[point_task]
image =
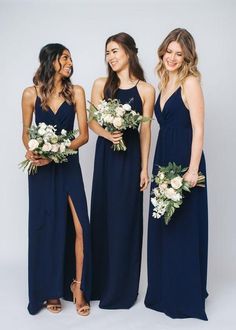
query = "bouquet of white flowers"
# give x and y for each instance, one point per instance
(168, 194)
(114, 116)
(47, 144)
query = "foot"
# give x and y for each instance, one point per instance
(82, 307)
(53, 305)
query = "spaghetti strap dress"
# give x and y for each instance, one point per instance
(177, 252)
(51, 258)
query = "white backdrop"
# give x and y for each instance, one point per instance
(83, 26)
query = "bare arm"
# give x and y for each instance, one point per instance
(96, 97)
(80, 108)
(195, 101)
(145, 133)
(28, 102)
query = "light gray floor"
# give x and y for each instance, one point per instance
(13, 314)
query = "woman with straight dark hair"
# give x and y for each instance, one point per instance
(119, 179)
(59, 234)
(177, 253)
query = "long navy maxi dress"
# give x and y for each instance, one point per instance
(116, 216)
(51, 229)
(177, 252)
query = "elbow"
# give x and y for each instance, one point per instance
(198, 131)
(85, 138)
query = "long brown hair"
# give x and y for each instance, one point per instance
(44, 76)
(189, 65)
(135, 69)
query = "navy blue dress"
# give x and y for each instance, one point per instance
(177, 253)
(116, 216)
(51, 228)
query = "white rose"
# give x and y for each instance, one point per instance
(49, 130)
(108, 118)
(42, 125)
(41, 131)
(33, 144)
(40, 140)
(170, 193)
(177, 197)
(126, 107)
(133, 113)
(156, 192)
(154, 201)
(118, 122)
(162, 187)
(55, 148)
(120, 112)
(63, 132)
(62, 147)
(47, 147)
(176, 182)
(161, 175)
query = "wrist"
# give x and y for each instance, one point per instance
(193, 170)
(107, 135)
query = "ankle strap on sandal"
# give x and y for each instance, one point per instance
(75, 281)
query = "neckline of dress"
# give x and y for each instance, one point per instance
(49, 108)
(167, 99)
(127, 89)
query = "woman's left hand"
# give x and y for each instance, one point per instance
(191, 178)
(144, 180)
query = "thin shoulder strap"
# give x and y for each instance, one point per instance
(137, 82)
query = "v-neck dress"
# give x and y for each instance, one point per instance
(51, 262)
(177, 252)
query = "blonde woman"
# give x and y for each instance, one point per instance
(177, 253)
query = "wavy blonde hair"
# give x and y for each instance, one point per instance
(189, 65)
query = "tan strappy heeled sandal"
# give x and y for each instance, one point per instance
(81, 310)
(53, 308)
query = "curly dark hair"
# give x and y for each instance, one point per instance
(44, 76)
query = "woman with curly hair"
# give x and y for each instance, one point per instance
(177, 253)
(59, 239)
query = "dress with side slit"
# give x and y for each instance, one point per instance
(51, 259)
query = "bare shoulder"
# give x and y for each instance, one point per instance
(78, 91)
(191, 82)
(100, 83)
(146, 88)
(29, 93)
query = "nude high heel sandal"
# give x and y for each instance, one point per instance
(81, 310)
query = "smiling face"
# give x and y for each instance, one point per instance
(116, 56)
(63, 64)
(173, 57)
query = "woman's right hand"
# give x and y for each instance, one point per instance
(36, 159)
(115, 137)
(32, 156)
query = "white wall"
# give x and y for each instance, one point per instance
(83, 27)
